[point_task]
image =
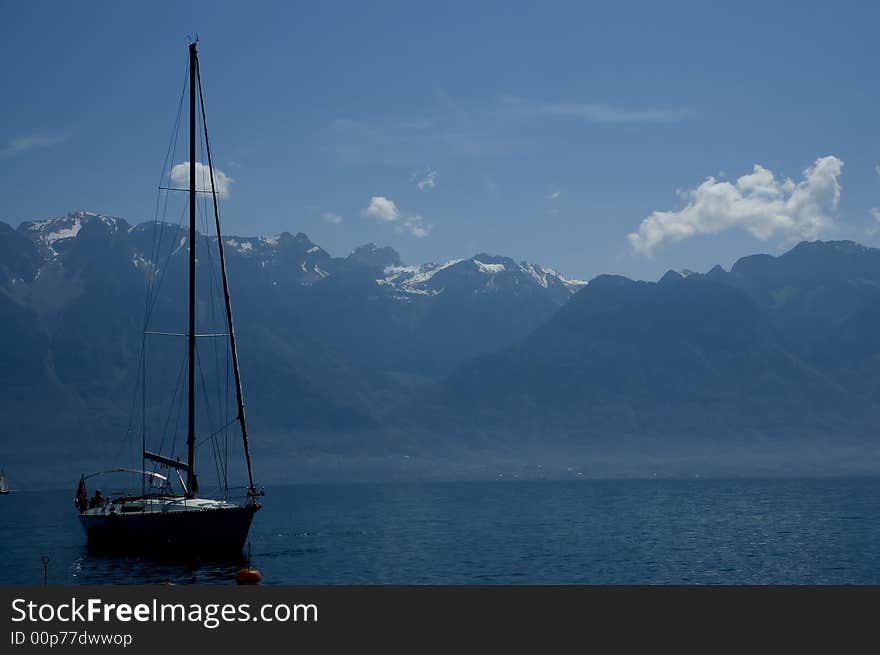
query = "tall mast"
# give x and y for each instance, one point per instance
(238, 391)
(191, 484)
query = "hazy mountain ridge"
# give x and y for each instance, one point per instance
(776, 346)
(326, 343)
(363, 356)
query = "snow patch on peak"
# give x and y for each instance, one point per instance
(53, 230)
(140, 263)
(537, 273)
(409, 279)
(427, 271)
(490, 269)
(271, 240)
(50, 231)
(110, 221)
(244, 247)
(394, 273)
(37, 226)
(543, 275)
(314, 249)
(571, 283)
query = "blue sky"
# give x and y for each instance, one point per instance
(542, 131)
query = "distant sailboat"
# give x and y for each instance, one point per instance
(4, 486)
(160, 518)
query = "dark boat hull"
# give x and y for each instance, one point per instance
(221, 531)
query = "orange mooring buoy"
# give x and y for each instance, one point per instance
(248, 576)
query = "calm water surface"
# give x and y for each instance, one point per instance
(592, 532)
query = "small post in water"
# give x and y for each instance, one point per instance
(45, 560)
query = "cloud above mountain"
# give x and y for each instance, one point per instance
(385, 210)
(180, 178)
(757, 202)
(382, 209)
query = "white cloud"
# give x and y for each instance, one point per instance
(382, 209)
(330, 217)
(592, 112)
(552, 196)
(180, 178)
(415, 225)
(29, 142)
(426, 180)
(385, 211)
(875, 211)
(756, 202)
(874, 228)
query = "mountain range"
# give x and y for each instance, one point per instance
(365, 366)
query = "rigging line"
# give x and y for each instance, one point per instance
(222, 406)
(161, 270)
(154, 256)
(184, 334)
(177, 387)
(216, 432)
(210, 416)
(157, 276)
(176, 419)
(172, 143)
(176, 129)
(227, 405)
(228, 302)
(171, 151)
(156, 252)
(130, 428)
(140, 377)
(161, 276)
(143, 406)
(208, 412)
(169, 188)
(216, 462)
(211, 278)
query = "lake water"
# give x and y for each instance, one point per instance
(590, 532)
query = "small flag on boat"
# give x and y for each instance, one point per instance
(82, 497)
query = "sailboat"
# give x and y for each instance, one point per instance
(4, 486)
(161, 517)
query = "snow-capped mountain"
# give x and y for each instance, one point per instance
(285, 258)
(325, 333)
(57, 231)
(483, 273)
(341, 345)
